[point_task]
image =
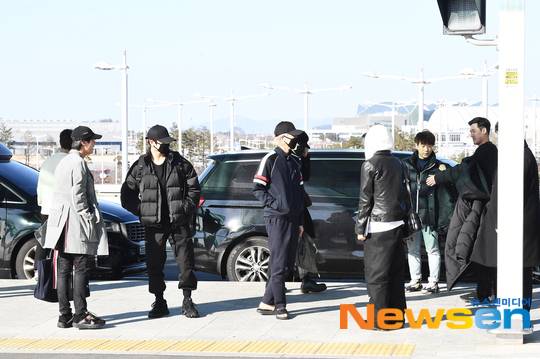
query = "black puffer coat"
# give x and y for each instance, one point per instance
(435, 204)
(141, 192)
(465, 221)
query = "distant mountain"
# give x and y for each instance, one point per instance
(249, 125)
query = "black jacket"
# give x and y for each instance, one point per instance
(486, 156)
(141, 192)
(383, 195)
(435, 204)
(465, 222)
(279, 186)
(485, 249)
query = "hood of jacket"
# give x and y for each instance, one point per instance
(378, 138)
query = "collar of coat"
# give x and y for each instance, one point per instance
(148, 157)
(432, 159)
(286, 156)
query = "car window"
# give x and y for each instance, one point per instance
(232, 177)
(9, 196)
(20, 175)
(334, 178)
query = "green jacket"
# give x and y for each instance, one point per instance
(435, 205)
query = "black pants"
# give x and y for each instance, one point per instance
(487, 284)
(384, 262)
(156, 256)
(78, 265)
(283, 242)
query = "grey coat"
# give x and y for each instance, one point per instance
(75, 208)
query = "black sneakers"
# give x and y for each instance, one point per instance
(87, 321)
(312, 286)
(188, 309)
(65, 321)
(159, 309)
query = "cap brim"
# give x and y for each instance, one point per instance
(166, 140)
(295, 132)
(96, 136)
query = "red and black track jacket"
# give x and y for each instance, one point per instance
(278, 184)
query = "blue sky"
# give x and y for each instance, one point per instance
(178, 48)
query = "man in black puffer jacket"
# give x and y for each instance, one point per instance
(163, 190)
(435, 205)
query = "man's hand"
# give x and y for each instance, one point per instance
(431, 181)
(301, 231)
(361, 237)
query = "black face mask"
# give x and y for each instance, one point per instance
(293, 142)
(163, 148)
(298, 150)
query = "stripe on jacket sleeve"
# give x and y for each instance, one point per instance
(261, 178)
(262, 165)
(256, 180)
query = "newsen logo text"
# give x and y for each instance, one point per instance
(458, 318)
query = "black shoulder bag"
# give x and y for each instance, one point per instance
(413, 223)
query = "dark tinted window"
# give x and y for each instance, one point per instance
(232, 178)
(334, 178)
(9, 196)
(22, 176)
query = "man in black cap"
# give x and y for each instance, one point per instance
(278, 185)
(163, 190)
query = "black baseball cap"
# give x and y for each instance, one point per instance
(303, 139)
(286, 127)
(159, 133)
(84, 133)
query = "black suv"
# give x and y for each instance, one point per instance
(20, 217)
(231, 235)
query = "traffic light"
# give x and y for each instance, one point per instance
(463, 17)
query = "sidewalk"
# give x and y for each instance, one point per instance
(230, 326)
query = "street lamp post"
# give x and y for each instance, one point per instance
(305, 92)
(231, 100)
(212, 105)
(179, 104)
(535, 100)
(102, 65)
(485, 74)
(421, 82)
(144, 107)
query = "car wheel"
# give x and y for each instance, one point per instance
(24, 264)
(249, 261)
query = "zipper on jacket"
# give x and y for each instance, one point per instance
(419, 185)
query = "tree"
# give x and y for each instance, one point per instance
(354, 142)
(48, 146)
(29, 143)
(190, 139)
(140, 142)
(6, 135)
(403, 141)
(174, 134)
(458, 157)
